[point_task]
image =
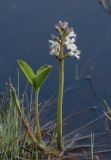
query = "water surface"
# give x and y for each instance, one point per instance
(26, 26)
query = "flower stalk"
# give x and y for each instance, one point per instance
(37, 123)
(60, 102)
(60, 97)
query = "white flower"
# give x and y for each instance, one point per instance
(70, 44)
(72, 34)
(76, 54)
(66, 38)
(54, 48)
(61, 26)
(70, 40)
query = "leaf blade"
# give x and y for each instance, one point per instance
(27, 70)
(41, 76)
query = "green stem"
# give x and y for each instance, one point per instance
(38, 130)
(60, 101)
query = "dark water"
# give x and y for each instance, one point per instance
(25, 27)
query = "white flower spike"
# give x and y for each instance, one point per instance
(68, 38)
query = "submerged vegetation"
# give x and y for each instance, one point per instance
(21, 134)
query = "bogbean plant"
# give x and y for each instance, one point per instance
(62, 46)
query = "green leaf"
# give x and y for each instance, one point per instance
(41, 76)
(27, 71)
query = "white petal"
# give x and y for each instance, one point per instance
(72, 47)
(72, 34)
(51, 41)
(70, 53)
(76, 54)
(72, 40)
